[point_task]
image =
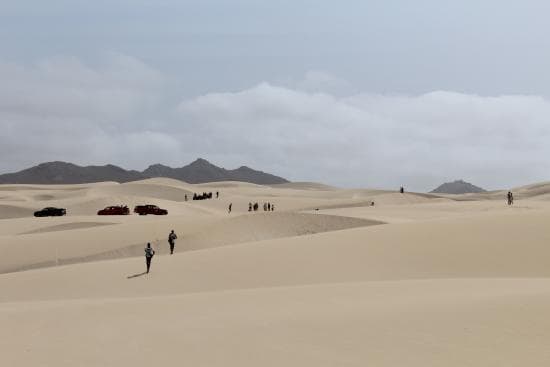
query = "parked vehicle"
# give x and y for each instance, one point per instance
(114, 210)
(149, 209)
(50, 212)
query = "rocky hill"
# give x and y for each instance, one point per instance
(458, 187)
(199, 171)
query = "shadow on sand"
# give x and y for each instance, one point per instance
(136, 275)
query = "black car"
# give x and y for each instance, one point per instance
(50, 212)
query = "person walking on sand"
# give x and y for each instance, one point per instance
(149, 253)
(172, 241)
(230, 205)
(510, 198)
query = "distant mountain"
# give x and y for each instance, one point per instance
(458, 187)
(199, 171)
(68, 173)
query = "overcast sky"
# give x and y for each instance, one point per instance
(353, 93)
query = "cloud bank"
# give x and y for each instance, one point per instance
(124, 112)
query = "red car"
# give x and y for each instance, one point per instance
(114, 210)
(149, 209)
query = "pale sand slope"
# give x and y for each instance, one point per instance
(444, 283)
(406, 323)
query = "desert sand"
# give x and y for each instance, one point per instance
(324, 280)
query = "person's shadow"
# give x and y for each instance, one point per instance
(136, 275)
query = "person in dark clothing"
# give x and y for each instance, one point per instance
(510, 198)
(185, 197)
(172, 241)
(249, 207)
(217, 194)
(268, 207)
(402, 190)
(149, 253)
(256, 207)
(230, 205)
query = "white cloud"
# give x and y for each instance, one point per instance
(379, 140)
(119, 112)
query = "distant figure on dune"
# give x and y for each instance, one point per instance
(217, 194)
(510, 198)
(185, 197)
(249, 207)
(172, 241)
(402, 190)
(230, 205)
(265, 207)
(149, 253)
(272, 207)
(256, 207)
(268, 207)
(372, 203)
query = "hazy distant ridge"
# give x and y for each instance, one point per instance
(199, 171)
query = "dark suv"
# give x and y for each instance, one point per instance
(50, 212)
(149, 209)
(114, 210)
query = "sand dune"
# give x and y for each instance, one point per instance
(11, 211)
(304, 186)
(68, 227)
(442, 322)
(54, 244)
(440, 281)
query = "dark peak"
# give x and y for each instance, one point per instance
(200, 162)
(458, 187)
(56, 164)
(157, 166)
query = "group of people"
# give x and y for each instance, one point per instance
(268, 207)
(150, 252)
(203, 196)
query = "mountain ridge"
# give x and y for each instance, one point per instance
(198, 171)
